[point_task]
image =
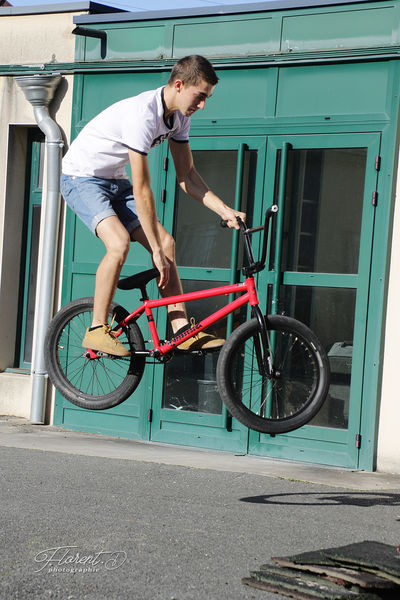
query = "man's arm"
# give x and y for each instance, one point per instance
(194, 185)
(146, 210)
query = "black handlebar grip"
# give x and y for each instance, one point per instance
(224, 222)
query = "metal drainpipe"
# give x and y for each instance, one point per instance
(39, 91)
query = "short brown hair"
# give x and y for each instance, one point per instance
(192, 69)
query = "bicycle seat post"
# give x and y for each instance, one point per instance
(143, 291)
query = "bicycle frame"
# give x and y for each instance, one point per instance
(249, 295)
(247, 289)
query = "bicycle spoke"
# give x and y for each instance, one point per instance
(93, 376)
(285, 393)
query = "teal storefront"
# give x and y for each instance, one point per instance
(306, 113)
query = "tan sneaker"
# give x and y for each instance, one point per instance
(103, 339)
(200, 341)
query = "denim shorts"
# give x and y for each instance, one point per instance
(93, 199)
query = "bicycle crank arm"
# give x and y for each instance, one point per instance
(95, 354)
(195, 352)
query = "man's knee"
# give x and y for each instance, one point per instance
(168, 243)
(118, 247)
(115, 238)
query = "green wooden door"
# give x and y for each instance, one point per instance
(320, 273)
(84, 251)
(187, 408)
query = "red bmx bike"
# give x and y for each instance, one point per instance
(272, 372)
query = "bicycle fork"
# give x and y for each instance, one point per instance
(263, 348)
(263, 354)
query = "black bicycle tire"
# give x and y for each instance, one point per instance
(225, 375)
(134, 367)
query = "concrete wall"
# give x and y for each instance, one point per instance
(388, 458)
(39, 38)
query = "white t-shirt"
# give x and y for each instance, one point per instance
(138, 123)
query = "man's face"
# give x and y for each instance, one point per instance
(193, 97)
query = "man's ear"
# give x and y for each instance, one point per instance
(178, 85)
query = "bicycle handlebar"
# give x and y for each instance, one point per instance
(255, 266)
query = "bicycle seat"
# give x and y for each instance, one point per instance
(139, 280)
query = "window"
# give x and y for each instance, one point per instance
(30, 248)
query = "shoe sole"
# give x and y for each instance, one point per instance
(105, 351)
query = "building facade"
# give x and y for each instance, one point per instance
(306, 112)
(27, 49)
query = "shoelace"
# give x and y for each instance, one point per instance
(110, 332)
(192, 324)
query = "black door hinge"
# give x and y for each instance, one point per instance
(163, 196)
(165, 164)
(150, 415)
(374, 198)
(358, 440)
(378, 163)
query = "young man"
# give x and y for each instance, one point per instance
(96, 187)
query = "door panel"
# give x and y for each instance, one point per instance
(320, 273)
(186, 394)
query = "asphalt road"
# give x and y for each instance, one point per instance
(86, 527)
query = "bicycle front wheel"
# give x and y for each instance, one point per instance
(93, 383)
(279, 396)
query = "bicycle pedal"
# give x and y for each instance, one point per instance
(105, 355)
(94, 354)
(194, 352)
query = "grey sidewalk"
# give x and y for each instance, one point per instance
(19, 433)
(163, 522)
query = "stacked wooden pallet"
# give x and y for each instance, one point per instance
(365, 571)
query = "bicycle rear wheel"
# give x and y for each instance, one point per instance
(297, 387)
(93, 383)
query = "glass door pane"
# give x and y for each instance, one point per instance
(323, 209)
(331, 313)
(200, 239)
(30, 250)
(189, 381)
(31, 281)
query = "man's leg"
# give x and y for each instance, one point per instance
(117, 241)
(176, 312)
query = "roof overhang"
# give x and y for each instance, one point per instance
(209, 11)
